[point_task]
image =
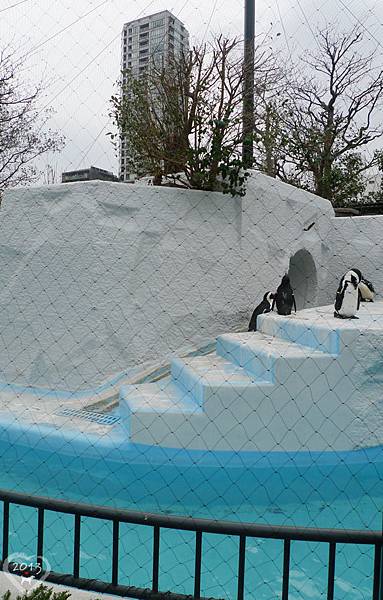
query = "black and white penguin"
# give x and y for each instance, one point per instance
(367, 292)
(284, 298)
(348, 295)
(262, 308)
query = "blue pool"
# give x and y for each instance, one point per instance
(307, 489)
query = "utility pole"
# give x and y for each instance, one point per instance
(248, 84)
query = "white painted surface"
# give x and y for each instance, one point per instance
(99, 277)
(357, 242)
(305, 382)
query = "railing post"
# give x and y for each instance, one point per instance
(115, 552)
(331, 571)
(5, 529)
(377, 589)
(241, 567)
(286, 569)
(381, 575)
(76, 546)
(198, 562)
(40, 537)
(156, 557)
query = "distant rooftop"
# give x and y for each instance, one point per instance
(157, 14)
(88, 175)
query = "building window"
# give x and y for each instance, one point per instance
(159, 23)
(145, 26)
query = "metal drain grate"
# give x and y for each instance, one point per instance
(90, 416)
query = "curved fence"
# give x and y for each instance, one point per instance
(157, 522)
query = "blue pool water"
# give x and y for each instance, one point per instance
(307, 489)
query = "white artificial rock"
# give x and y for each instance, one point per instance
(268, 393)
(99, 277)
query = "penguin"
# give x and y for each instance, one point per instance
(284, 299)
(348, 295)
(262, 308)
(367, 292)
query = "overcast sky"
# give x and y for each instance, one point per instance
(74, 45)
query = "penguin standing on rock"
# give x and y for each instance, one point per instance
(284, 299)
(262, 308)
(348, 295)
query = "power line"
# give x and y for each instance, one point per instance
(210, 19)
(308, 23)
(91, 62)
(13, 5)
(361, 23)
(67, 27)
(284, 29)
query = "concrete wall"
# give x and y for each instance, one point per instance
(357, 242)
(98, 277)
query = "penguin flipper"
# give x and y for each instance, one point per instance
(338, 300)
(253, 321)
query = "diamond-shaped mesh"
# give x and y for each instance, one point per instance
(128, 376)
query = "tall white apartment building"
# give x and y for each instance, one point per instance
(153, 39)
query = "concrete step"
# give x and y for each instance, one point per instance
(160, 397)
(199, 376)
(160, 413)
(321, 334)
(272, 359)
(301, 383)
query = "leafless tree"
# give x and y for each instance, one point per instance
(270, 130)
(333, 111)
(23, 135)
(50, 174)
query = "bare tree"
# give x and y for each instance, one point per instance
(187, 118)
(271, 135)
(22, 125)
(50, 174)
(333, 112)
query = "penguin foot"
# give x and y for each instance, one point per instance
(338, 316)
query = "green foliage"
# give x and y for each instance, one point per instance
(41, 592)
(347, 179)
(184, 122)
(377, 196)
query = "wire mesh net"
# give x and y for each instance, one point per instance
(132, 373)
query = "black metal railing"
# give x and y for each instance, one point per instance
(286, 534)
